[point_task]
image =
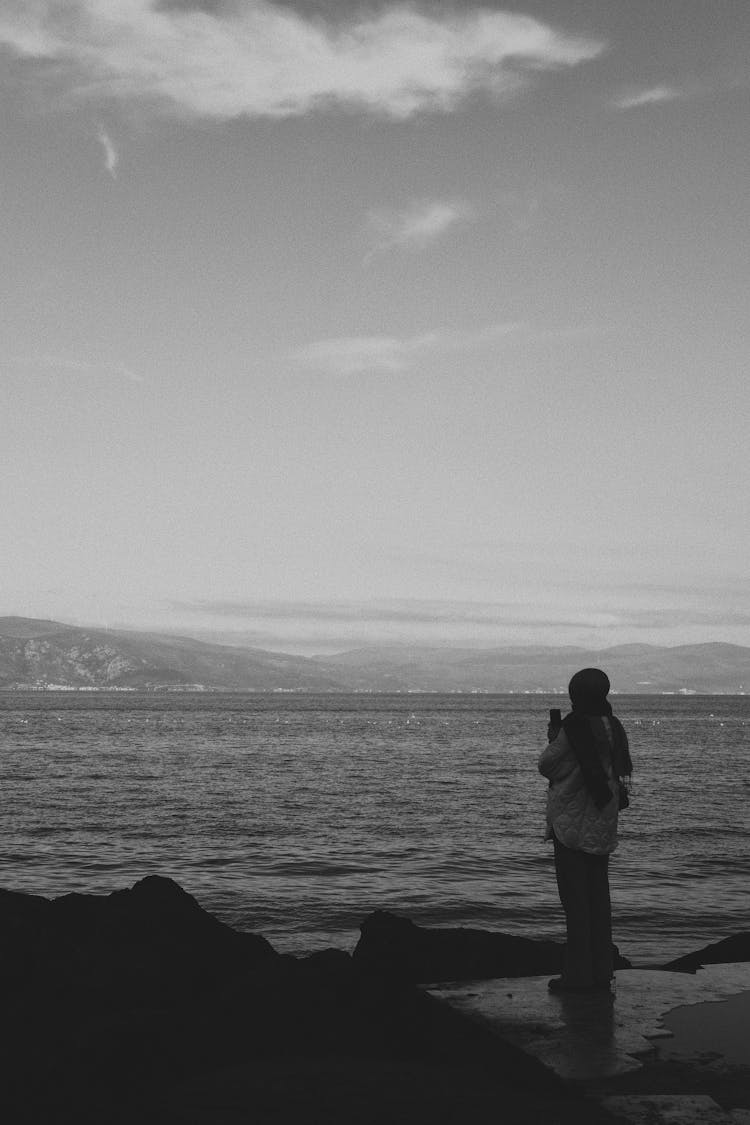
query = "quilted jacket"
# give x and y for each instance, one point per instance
(571, 813)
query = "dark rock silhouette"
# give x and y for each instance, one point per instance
(153, 940)
(402, 949)
(729, 950)
(110, 1001)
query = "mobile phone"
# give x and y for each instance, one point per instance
(555, 716)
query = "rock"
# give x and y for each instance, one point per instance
(728, 951)
(148, 943)
(399, 947)
(332, 964)
(134, 991)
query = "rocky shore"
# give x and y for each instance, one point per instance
(141, 1006)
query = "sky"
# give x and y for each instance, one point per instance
(325, 324)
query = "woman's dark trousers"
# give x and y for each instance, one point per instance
(583, 883)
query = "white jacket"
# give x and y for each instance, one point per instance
(571, 812)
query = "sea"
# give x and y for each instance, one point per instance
(296, 815)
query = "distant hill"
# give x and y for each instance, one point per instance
(39, 654)
(28, 627)
(640, 669)
(47, 653)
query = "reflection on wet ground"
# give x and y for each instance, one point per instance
(585, 1037)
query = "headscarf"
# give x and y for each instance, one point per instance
(585, 731)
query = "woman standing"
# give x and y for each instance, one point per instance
(586, 762)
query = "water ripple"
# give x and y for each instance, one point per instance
(297, 815)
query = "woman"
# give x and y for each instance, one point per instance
(586, 762)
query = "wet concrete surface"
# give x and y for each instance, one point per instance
(585, 1037)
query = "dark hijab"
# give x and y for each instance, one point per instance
(588, 696)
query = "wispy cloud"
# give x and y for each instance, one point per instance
(409, 611)
(336, 626)
(111, 155)
(266, 59)
(416, 226)
(355, 355)
(45, 361)
(652, 95)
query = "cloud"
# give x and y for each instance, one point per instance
(46, 362)
(651, 96)
(337, 626)
(557, 618)
(355, 355)
(111, 155)
(418, 225)
(264, 59)
(409, 611)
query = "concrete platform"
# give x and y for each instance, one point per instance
(586, 1038)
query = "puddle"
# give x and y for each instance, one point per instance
(715, 1028)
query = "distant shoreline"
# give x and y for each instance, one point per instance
(31, 689)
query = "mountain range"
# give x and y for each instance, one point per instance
(39, 654)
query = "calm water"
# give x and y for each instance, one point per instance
(295, 815)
